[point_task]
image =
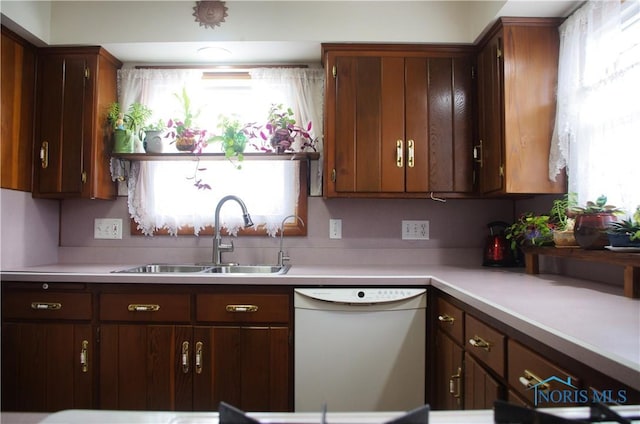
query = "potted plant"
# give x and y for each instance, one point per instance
(127, 125)
(182, 131)
(530, 230)
(281, 131)
(625, 233)
(233, 138)
(563, 219)
(153, 137)
(592, 222)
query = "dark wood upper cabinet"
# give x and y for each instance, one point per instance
(72, 146)
(398, 120)
(517, 79)
(18, 110)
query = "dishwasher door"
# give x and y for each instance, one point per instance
(360, 349)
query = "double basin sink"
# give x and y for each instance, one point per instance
(206, 269)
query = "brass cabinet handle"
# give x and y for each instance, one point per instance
(477, 341)
(199, 358)
(530, 380)
(242, 308)
(44, 154)
(399, 154)
(84, 356)
(49, 306)
(454, 383)
(185, 357)
(411, 161)
(446, 318)
(138, 307)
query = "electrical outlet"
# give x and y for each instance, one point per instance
(107, 228)
(335, 228)
(415, 230)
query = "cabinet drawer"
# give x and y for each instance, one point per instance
(46, 305)
(529, 374)
(485, 343)
(145, 307)
(450, 320)
(255, 308)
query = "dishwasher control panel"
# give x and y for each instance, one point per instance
(361, 295)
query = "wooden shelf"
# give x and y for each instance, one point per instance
(630, 262)
(215, 156)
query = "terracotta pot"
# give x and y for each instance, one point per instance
(591, 229)
(186, 144)
(564, 239)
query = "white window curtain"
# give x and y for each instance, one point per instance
(302, 90)
(597, 129)
(161, 194)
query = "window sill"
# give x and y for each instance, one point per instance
(216, 156)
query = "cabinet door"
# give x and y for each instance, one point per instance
(146, 367)
(47, 367)
(368, 123)
(489, 152)
(245, 366)
(439, 121)
(61, 118)
(449, 376)
(480, 388)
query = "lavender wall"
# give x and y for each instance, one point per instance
(29, 230)
(370, 234)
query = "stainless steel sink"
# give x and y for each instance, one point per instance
(167, 268)
(249, 269)
(206, 268)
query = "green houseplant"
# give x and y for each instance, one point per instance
(592, 222)
(563, 219)
(530, 230)
(182, 130)
(127, 125)
(233, 138)
(625, 233)
(281, 131)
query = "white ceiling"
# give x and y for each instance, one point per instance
(165, 32)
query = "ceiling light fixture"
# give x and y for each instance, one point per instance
(213, 52)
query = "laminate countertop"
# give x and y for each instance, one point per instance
(591, 322)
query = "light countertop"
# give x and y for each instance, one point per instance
(591, 322)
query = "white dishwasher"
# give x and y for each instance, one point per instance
(359, 349)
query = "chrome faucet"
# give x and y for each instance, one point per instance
(218, 246)
(282, 257)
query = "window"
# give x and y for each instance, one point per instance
(162, 195)
(598, 116)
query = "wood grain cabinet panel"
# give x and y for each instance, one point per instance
(75, 86)
(517, 79)
(18, 110)
(145, 307)
(48, 348)
(245, 307)
(486, 344)
(398, 120)
(450, 320)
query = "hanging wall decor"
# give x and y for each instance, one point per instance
(210, 13)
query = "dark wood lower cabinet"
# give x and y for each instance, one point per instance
(448, 373)
(245, 366)
(480, 388)
(46, 366)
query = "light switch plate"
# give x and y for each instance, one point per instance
(107, 228)
(415, 230)
(335, 228)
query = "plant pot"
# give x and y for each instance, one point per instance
(622, 240)
(564, 239)
(591, 229)
(186, 144)
(153, 142)
(123, 141)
